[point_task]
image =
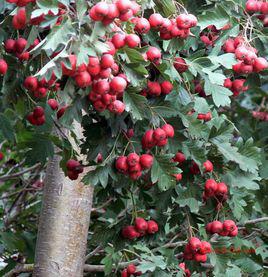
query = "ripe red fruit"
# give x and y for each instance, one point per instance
(3, 67)
(69, 71)
(241, 52)
(252, 6)
(31, 83)
(264, 8)
(107, 61)
(228, 83)
(134, 175)
(123, 5)
(20, 45)
(178, 176)
(180, 64)
(205, 247)
(154, 88)
(146, 161)
(166, 87)
(130, 133)
(135, 168)
(159, 134)
(260, 64)
(229, 46)
(233, 233)
(141, 225)
(133, 159)
(202, 258)
(142, 26)
(156, 20)
(94, 15)
(53, 104)
(10, 45)
(124, 273)
(129, 232)
(216, 227)
(61, 112)
(210, 187)
(118, 40)
(40, 120)
(113, 11)
(245, 68)
(148, 139)
(132, 40)
(121, 164)
(208, 227)
(118, 84)
(194, 244)
(117, 107)
(38, 111)
(238, 84)
(179, 157)
(208, 166)
(222, 188)
(19, 20)
(186, 21)
(152, 227)
(131, 269)
(101, 9)
(72, 164)
(101, 87)
(1, 156)
(153, 54)
(83, 79)
(229, 225)
(169, 130)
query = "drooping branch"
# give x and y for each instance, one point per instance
(257, 220)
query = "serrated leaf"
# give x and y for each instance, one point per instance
(227, 60)
(162, 171)
(135, 104)
(192, 203)
(201, 105)
(6, 128)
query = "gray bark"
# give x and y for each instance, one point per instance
(63, 225)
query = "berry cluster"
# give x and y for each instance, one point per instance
(122, 39)
(39, 88)
(247, 55)
(157, 137)
(3, 67)
(225, 228)
(236, 86)
(107, 13)
(255, 6)
(263, 116)
(131, 270)
(204, 116)
(214, 189)
(207, 167)
(209, 35)
(74, 168)
(37, 117)
(187, 271)
(140, 228)
(133, 164)
(196, 250)
(18, 46)
(156, 89)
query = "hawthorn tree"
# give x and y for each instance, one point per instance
(141, 127)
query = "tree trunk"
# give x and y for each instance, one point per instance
(63, 226)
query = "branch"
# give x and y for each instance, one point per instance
(21, 268)
(257, 220)
(15, 175)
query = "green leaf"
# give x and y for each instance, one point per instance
(227, 60)
(192, 203)
(135, 104)
(162, 171)
(81, 8)
(218, 17)
(220, 94)
(6, 128)
(201, 105)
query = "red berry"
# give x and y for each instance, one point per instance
(205, 247)
(53, 104)
(208, 227)
(186, 21)
(73, 175)
(133, 159)
(10, 45)
(146, 161)
(159, 134)
(31, 83)
(107, 61)
(141, 225)
(202, 258)
(69, 71)
(180, 64)
(131, 269)
(113, 11)
(142, 26)
(229, 46)
(148, 139)
(211, 187)
(61, 112)
(118, 40)
(118, 84)
(123, 5)
(216, 227)
(72, 164)
(152, 227)
(117, 107)
(194, 243)
(156, 20)
(208, 166)
(124, 273)
(234, 233)
(179, 157)
(154, 88)
(121, 164)
(38, 111)
(132, 40)
(101, 9)
(3, 67)
(129, 232)
(260, 64)
(83, 79)
(229, 225)
(20, 45)
(166, 87)
(153, 54)
(169, 130)
(222, 188)
(135, 175)
(178, 177)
